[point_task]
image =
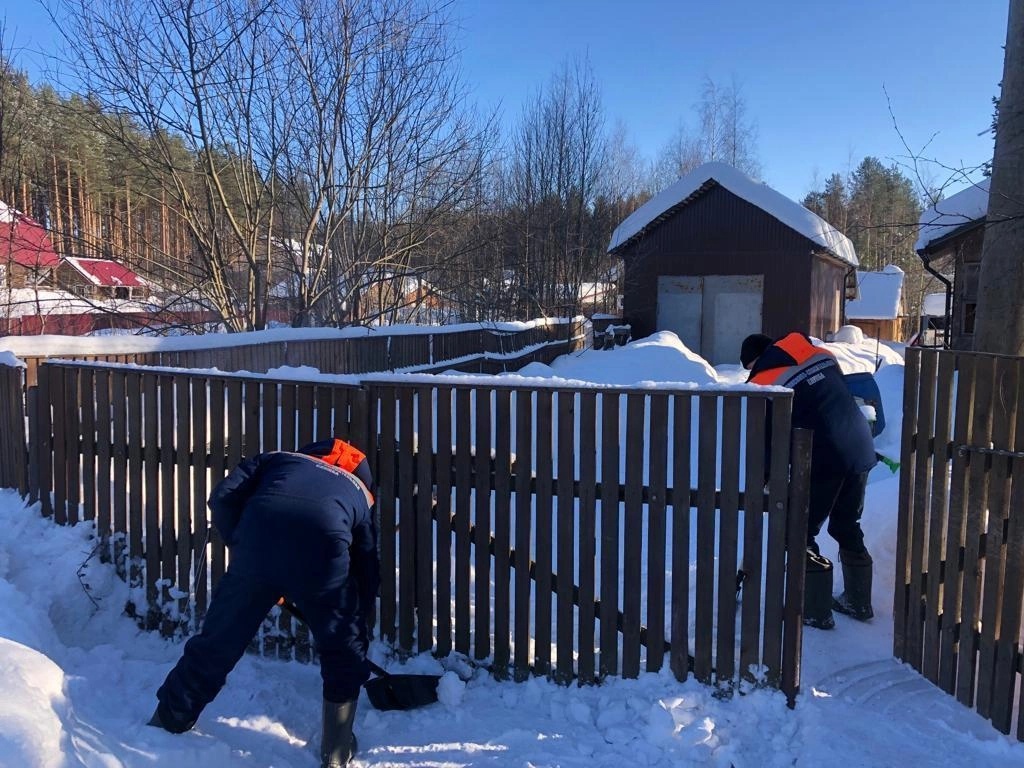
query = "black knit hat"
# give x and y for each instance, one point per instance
(753, 347)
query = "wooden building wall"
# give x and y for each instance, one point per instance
(720, 233)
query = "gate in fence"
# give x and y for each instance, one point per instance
(575, 533)
(960, 547)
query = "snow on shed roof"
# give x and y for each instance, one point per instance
(879, 295)
(774, 203)
(105, 272)
(946, 216)
(24, 241)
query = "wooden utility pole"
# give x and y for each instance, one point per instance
(1000, 320)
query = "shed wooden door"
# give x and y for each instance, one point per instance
(732, 311)
(711, 314)
(680, 299)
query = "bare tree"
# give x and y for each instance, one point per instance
(1000, 322)
(725, 133)
(311, 146)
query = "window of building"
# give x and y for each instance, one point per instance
(970, 309)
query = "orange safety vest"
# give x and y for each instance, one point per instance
(803, 352)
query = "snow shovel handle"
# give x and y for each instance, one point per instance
(289, 606)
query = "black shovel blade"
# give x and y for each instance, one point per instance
(402, 691)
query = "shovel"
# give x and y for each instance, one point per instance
(389, 691)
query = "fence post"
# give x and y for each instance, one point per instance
(796, 562)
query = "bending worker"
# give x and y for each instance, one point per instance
(299, 526)
(842, 455)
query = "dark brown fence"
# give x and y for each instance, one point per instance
(523, 526)
(482, 350)
(960, 551)
(552, 531)
(13, 454)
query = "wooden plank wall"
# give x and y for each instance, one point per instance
(138, 452)
(518, 526)
(551, 512)
(959, 591)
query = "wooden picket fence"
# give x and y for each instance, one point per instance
(519, 526)
(960, 548)
(13, 452)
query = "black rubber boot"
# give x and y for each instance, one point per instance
(855, 601)
(338, 743)
(171, 722)
(818, 592)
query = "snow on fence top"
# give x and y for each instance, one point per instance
(946, 216)
(774, 203)
(51, 346)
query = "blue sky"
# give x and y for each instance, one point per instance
(814, 73)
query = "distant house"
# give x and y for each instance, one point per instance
(950, 238)
(27, 257)
(99, 279)
(878, 309)
(717, 256)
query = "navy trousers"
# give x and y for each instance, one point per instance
(839, 498)
(236, 612)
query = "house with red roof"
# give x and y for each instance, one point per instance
(99, 279)
(27, 257)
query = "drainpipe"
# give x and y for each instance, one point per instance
(949, 300)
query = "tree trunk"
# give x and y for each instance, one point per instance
(1000, 321)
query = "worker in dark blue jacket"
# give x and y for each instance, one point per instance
(299, 527)
(842, 455)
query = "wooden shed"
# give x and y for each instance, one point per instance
(878, 309)
(950, 238)
(717, 256)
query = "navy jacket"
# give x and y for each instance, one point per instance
(302, 525)
(821, 402)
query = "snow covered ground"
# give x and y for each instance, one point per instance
(78, 679)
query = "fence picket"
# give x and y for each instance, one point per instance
(218, 460)
(728, 535)
(136, 483)
(183, 489)
(58, 389)
(922, 488)
(682, 407)
(104, 425)
(977, 500)
(707, 455)
(443, 539)
(566, 536)
(753, 535)
(775, 552)
(543, 534)
(200, 482)
(502, 530)
(407, 592)
(956, 518)
(88, 405)
(72, 432)
(656, 530)
(587, 533)
(460, 522)
(608, 660)
(938, 515)
(632, 536)
(424, 509)
(524, 533)
(482, 524)
(385, 401)
(905, 515)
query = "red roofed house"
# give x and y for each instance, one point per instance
(99, 279)
(27, 257)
